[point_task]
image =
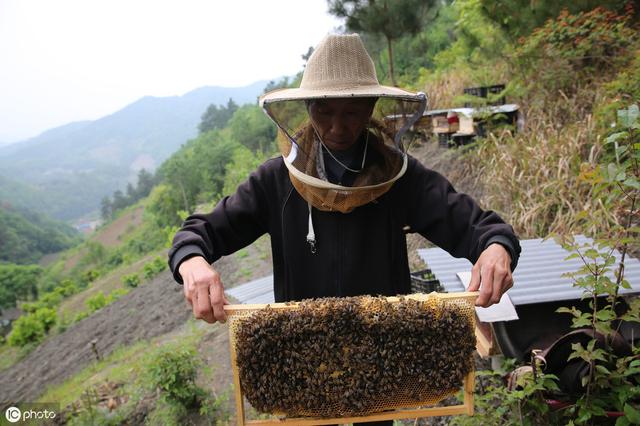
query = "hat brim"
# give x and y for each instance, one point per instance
(372, 91)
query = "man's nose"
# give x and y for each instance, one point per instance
(338, 126)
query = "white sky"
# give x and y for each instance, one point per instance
(70, 60)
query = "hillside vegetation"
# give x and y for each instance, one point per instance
(573, 167)
(26, 236)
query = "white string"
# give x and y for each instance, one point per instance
(364, 156)
(311, 235)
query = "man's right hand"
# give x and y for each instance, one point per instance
(203, 289)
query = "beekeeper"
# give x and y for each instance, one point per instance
(340, 199)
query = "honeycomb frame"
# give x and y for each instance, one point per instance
(420, 409)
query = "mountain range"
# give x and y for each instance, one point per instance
(66, 171)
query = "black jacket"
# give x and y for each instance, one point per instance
(362, 252)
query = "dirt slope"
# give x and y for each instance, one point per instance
(150, 310)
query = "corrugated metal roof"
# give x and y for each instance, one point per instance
(256, 291)
(538, 277)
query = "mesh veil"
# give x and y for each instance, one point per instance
(386, 137)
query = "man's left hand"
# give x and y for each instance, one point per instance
(492, 274)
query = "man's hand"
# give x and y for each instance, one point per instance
(492, 274)
(203, 289)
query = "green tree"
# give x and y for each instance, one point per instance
(146, 181)
(164, 205)
(32, 327)
(280, 84)
(391, 19)
(253, 129)
(242, 164)
(216, 117)
(26, 236)
(106, 209)
(18, 283)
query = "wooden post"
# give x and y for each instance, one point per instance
(236, 382)
(469, 386)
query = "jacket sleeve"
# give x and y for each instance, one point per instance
(452, 220)
(237, 221)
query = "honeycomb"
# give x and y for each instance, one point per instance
(354, 356)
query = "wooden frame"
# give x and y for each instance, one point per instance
(407, 413)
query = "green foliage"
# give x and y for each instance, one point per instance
(172, 371)
(416, 53)
(167, 412)
(391, 19)
(131, 280)
(90, 276)
(571, 48)
(283, 83)
(109, 207)
(622, 91)
(52, 298)
(243, 162)
(478, 41)
(612, 379)
(193, 173)
(217, 117)
(32, 327)
(96, 253)
(18, 283)
(96, 302)
(153, 268)
(523, 404)
(520, 17)
(164, 203)
(252, 128)
(26, 236)
(100, 300)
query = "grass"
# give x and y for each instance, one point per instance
(533, 178)
(10, 355)
(120, 366)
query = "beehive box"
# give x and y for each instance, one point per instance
(342, 360)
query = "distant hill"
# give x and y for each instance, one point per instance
(67, 170)
(26, 236)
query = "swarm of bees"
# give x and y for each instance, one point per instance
(338, 357)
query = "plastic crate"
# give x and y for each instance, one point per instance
(444, 139)
(483, 92)
(424, 281)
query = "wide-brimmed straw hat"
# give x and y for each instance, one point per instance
(339, 67)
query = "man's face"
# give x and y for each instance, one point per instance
(339, 122)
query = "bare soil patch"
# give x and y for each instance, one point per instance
(111, 235)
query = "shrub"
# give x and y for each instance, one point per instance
(131, 280)
(90, 276)
(576, 46)
(26, 329)
(101, 300)
(172, 370)
(32, 327)
(96, 302)
(153, 268)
